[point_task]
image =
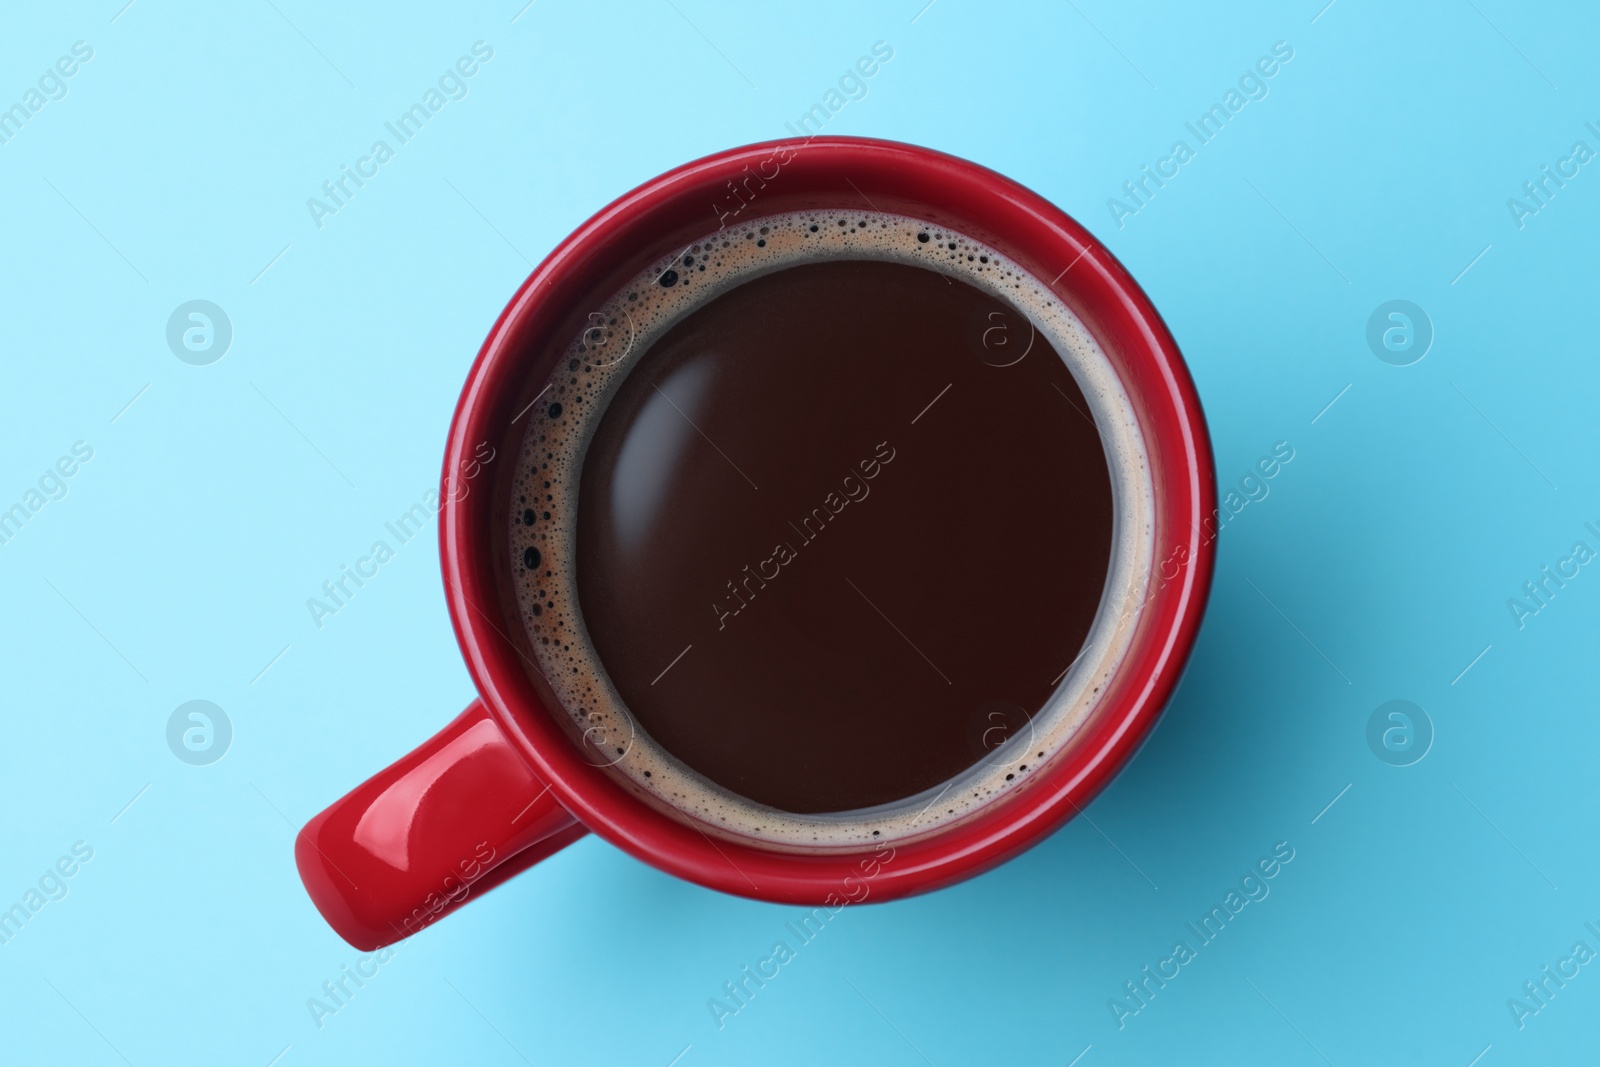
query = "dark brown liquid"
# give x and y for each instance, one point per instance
(869, 603)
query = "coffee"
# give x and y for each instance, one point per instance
(827, 528)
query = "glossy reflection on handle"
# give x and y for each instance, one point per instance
(451, 820)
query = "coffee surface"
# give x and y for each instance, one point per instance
(844, 519)
(840, 531)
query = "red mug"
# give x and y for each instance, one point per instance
(503, 786)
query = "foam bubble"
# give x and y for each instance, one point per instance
(544, 517)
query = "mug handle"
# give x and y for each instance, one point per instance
(456, 816)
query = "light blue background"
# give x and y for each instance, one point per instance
(1380, 565)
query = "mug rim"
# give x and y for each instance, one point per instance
(1033, 232)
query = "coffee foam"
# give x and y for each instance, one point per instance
(545, 508)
